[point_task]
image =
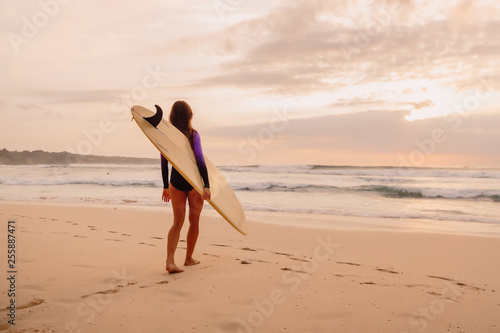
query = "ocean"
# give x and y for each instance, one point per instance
(440, 194)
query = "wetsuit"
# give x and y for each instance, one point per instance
(176, 179)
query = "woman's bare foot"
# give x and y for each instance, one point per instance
(191, 262)
(172, 268)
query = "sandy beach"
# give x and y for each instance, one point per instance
(96, 268)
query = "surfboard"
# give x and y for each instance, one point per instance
(177, 150)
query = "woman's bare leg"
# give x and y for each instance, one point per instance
(179, 207)
(195, 205)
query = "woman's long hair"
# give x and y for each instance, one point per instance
(180, 116)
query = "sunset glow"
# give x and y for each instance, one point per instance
(405, 67)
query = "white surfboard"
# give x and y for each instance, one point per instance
(177, 150)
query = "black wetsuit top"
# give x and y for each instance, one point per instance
(176, 179)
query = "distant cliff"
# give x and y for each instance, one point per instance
(43, 157)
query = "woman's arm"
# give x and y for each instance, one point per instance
(202, 166)
(164, 171)
(164, 175)
(200, 160)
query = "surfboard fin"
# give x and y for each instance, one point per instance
(156, 119)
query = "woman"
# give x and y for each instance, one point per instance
(179, 190)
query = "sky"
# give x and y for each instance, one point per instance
(352, 82)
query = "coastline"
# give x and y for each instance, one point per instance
(94, 268)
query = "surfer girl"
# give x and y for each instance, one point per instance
(179, 190)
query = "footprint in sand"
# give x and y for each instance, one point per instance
(248, 249)
(35, 302)
(457, 283)
(348, 263)
(298, 259)
(112, 239)
(78, 236)
(31, 304)
(104, 292)
(294, 270)
(110, 291)
(157, 237)
(159, 282)
(290, 256)
(345, 275)
(211, 255)
(248, 261)
(282, 254)
(127, 235)
(163, 282)
(142, 243)
(387, 271)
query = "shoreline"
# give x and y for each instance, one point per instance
(312, 220)
(95, 269)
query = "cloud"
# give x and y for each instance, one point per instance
(315, 46)
(371, 133)
(82, 96)
(423, 104)
(316, 56)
